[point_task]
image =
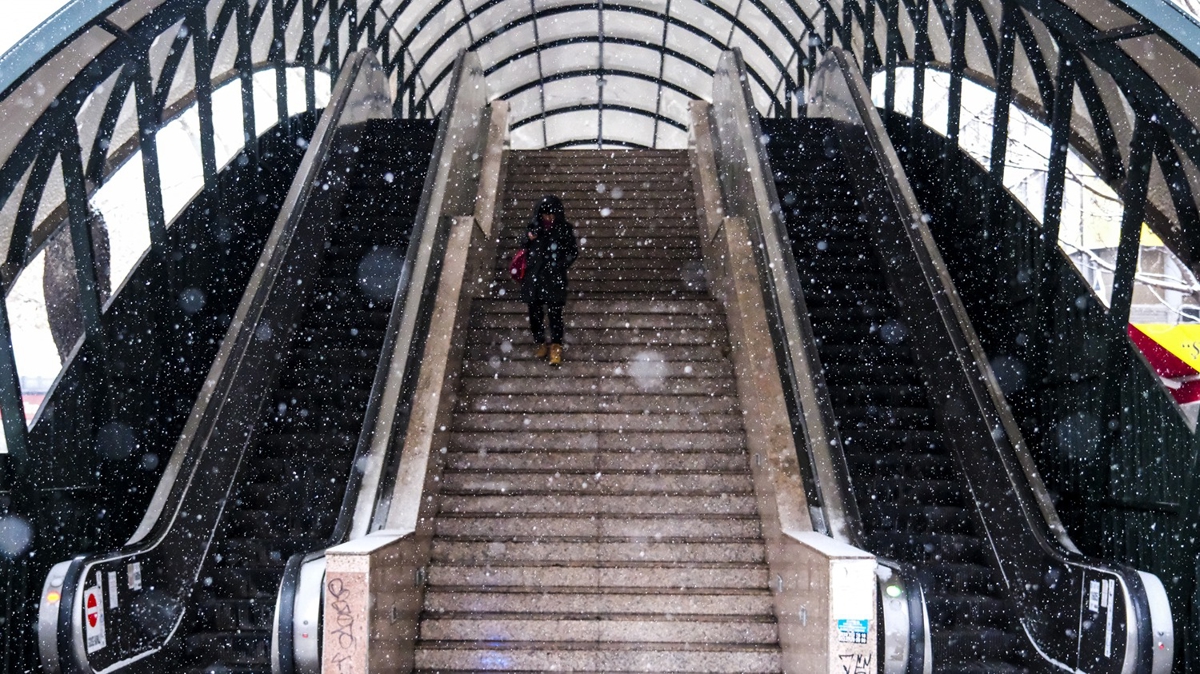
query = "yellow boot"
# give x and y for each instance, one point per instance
(542, 351)
(556, 354)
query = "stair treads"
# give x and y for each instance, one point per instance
(600, 516)
(659, 527)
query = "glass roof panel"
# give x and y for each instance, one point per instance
(160, 49)
(580, 126)
(630, 58)
(506, 44)
(628, 127)
(183, 84)
(703, 19)
(1177, 75)
(260, 48)
(571, 92)
(688, 77)
(30, 99)
(1100, 13)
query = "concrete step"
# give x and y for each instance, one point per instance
(628, 576)
(555, 481)
(616, 423)
(596, 385)
(600, 603)
(687, 442)
(595, 657)
(632, 321)
(707, 307)
(610, 336)
(638, 462)
(631, 505)
(645, 359)
(498, 365)
(689, 629)
(592, 551)
(640, 404)
(660, 527)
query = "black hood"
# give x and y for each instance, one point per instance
(549, 204)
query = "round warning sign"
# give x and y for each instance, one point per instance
(93, 616)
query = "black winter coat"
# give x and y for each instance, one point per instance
(548, 256)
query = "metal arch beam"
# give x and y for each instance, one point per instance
(591, 72)
(166, 76)
(18, 246)
(433, 83)
(1182, 196)
(1136, 84)
(587, 7)
(1106, 137)
(988, 37)
(1033, 55)
(562, 42)
(108, 121)
(83, 83)
(583, 107)
(633, 145)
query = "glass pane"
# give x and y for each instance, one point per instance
(44, 332)
(121, 201)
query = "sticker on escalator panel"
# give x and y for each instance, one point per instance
(133, 574)
(852, 631)
(93, 618)
(112, 589)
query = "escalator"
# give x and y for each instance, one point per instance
(292, 481)
(908, 448)
(268, 458)
(906, 483)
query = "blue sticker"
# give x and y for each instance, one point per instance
(852, 631)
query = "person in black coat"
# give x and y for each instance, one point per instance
(550, 249)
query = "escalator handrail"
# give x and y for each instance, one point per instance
(813, 421)
(399, 365)
(1043, 527)
(244, 346)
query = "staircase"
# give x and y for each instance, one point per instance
(291, 482)
(601, 516)
(906, 483)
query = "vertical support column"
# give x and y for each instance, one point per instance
(1137, 179)
(334, 38)
(891, 54)
(308, 54)
(202, 51)
(148, 120)
(1060, 137)
(245, 37)
(12, 407)
(1003, 69)
(920, 58)
(1117, 350)
(278, 56)
(79, 218)
(958, 64)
